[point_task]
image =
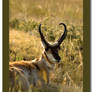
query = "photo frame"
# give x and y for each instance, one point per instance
(86, 41)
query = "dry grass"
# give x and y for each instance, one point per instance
(39, 10)
(25, 44)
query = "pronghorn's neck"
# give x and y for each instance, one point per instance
(44, 59)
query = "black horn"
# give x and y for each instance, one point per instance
(60, 40)
(42, 37)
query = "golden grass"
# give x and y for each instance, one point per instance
(68, 75)
(25, 46)
(71, 10)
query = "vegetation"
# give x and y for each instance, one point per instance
(25, 44)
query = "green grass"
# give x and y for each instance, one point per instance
(25, 44)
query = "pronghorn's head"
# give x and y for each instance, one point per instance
(51, 50)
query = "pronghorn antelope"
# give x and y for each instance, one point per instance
(37, 71)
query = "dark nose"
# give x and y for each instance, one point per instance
(56, 56)
(59, 59)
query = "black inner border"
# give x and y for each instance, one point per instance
(86, 46)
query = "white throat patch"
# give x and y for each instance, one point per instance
(50, 57)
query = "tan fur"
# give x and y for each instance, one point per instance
(35, 73)
(17, 80)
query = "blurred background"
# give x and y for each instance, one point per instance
(25, 44)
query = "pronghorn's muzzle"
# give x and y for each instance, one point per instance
(56, 56)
